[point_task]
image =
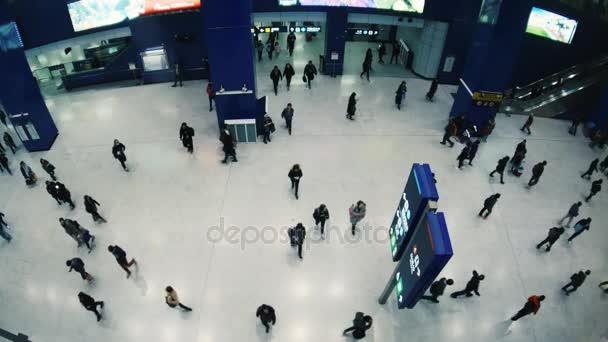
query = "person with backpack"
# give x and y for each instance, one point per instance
(580, 227)
(211, 95)
(288, 73)
(321, 214)
(309, 73)
(287, 114)
(77, 265)
(596, 187)
(48, 168)
(361, 324)
(295, 174)
(531, 306)
(276, 76)
(28, 174)
(488, 205)
(437, 289)
(552, 237)
(432, 89)
(90, 304)
(267, 316)
(10, 142)
(592, 169)
(576, 280)
(118, 151)
(528, 124)
(356, 213)
(500, 168)
(400, 94)
(351, 108)
(537, 171)
(121, 258)
(90, 206)
(185, 135)
(572, 213)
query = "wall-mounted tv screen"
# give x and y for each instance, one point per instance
(90, 14)
(395, 5)
(551, 25)
(10, 39)
(157, 6)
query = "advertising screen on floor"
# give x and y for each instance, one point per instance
(552, 26)
(416, 6)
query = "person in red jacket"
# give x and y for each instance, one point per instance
(531, 306)
(211, 95)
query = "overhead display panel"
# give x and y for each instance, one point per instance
(158, 6)
(416, 6)
(551, 25)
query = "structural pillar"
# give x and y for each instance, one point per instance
(600, 113)
(494, 50)
(20, 95)
(229, 41)
(335, 40)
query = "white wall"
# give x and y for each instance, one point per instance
(430, 48)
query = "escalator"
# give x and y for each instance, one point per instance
(572, 90)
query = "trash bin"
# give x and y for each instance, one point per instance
(321, 63)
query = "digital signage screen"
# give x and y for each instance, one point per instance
(158, 6)
(416, 6)
(90, 14)
(10, 39)
(551, 25)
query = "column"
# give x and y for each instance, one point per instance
(335, 40)
(430, 49)
(229, 42)
(492, 55)
(600, 112)
(20, 95)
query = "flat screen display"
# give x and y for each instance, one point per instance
(10, 39)
(158, 6)
(416, 6)
(550, 25)
(90, 14)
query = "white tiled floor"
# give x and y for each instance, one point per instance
(163, 212)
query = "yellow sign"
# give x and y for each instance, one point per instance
(487, 97)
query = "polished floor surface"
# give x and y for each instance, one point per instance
(216, 232)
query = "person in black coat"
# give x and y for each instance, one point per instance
(473, 151)
(488, 205)
(464, 154)
(516, 162)
(179, 75)
(4, 164)
(592, 169)
(537, 171)
(367, 64)
(63, 194)
(10, 142)
(28, 174)
(260, 49)
(604, 164)
(309, 73)
(572, 213)
(297, 235)
(185, 135)
(321, 214)
(268, 128)
(552, 237)
(48, 167)
(432, 90)
(288, 73)
(90, 206)
(90, 304)
(287, 114)
(295, 174)
(395, 54)
(76, 264)
(400, 94)
(51, 188)
(526, 126)
(580, 227)
(267, 315)
(472, 286)
(118, 151)
(381, 53)
(121, 258)
(576, 280)
(437, 289)
(276, 76)
(521, 149)
(351, 108)
(3, 118)
(500, 168)
(361, 324)
(596, 186)
(228, 148)
(291, 43)
(449, 130)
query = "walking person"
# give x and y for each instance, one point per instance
(395, 54)
(276, 76)
(592, 169)
(211, 95)
(90, 206)
(576, 280)
(228, 145)
(520, 149)
(295, 173)
(287, 114)
(437, 289)
(449, 131)
(516, 161)
(321, 214)
(3, 226)
(604, 164)
(596, 187)
(51, 188)
(572, 213)
(297, 235)
(90, 304)
(75, 231)
(361, 324)
(28, 174)
(63, 194)
(267, 316)
(400, 94)
(8, 139)
(268, 128)
(351, 108)
(77, 265)
(574, 127)
(309, 73)
(4, 164)
(3, 118)
(528, 124)
(270, 47)
(121, 258)
(260, 49)
(179, 77)
(473, 151)
(356, 213)
(464, 154)
(537, 171)
(118, 151)
(488, 205)
(381, 53)
(288, 73)
(172, 299)
(185, 135)
(366, 66)
(500, 168)
(48, 168)
(432, 89)
(531, 306)
(291, 42)
(552, 237)
(472, 286)
(580, 227)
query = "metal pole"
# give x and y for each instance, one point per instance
(390, 285)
